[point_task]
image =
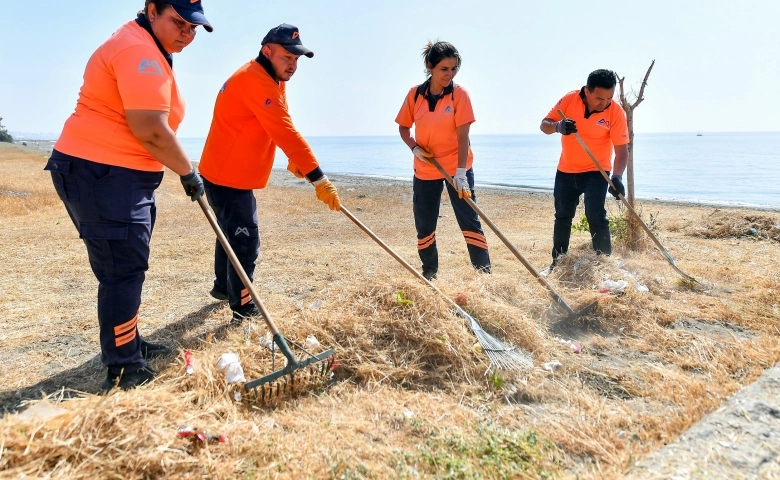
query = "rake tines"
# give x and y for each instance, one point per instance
(502, 355)
(309, 374)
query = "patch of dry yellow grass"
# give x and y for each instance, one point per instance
(411, 393)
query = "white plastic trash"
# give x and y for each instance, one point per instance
(552, 366)
(267, 342)
(232, 367)
(614, 287)
(311, 343)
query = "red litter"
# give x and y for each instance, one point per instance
(190, 369)
(202, 435)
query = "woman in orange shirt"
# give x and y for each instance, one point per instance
(109, 160)
(441, 113)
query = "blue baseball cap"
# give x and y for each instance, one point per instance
(287, 36)
(191, 11)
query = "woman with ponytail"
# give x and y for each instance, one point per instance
(441, 114)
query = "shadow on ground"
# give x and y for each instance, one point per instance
(87, 377)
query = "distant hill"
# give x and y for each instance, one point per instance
(33, 136)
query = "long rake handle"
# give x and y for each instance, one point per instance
(629, 207)
(237, 265)
(506, 241)
(396, 256)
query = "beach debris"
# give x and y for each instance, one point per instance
(316, 305)
(552, 366)
(234, 372)
(311, 342)
(189, 368)
(462, 298)
(266, 341)
(610, 286)
(574, 346)
(408, 413)
(197, 435)
(42, 410)
(477, 347)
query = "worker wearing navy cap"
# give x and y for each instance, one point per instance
(250, 120)
(110, 159)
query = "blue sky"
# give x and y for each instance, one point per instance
(717, 62)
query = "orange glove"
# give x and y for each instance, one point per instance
(294, 170)
(327, 193)
(422, 153)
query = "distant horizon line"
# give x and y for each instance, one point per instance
(53, 136)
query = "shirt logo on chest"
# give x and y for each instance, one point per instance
(603, 123)
(448, 110)
(150, 67)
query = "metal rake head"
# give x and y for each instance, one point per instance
(313, 377)
(308, 373)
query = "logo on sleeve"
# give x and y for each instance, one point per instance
(268, 102)
(222, 90)
(603, 123)
(150, 67)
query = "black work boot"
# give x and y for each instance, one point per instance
(429, 274)
(127, 379)
(153, 350)
(238, 317)
(219, 293)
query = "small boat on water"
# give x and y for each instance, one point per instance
(698, 134)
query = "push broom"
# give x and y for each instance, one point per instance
(298, 372)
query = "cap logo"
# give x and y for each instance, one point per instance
(295, 35)
(194, 1)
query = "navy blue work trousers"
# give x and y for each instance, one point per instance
(113, 209)
(236, 212)
(567, 191)
(426, 201)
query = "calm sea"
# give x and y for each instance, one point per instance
(714, 168)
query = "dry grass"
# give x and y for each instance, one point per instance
(411, 393)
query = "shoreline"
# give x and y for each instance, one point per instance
(380, 180)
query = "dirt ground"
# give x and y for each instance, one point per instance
(413, 396)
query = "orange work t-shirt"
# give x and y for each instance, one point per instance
(250, 120)
(127, 72)
(601, 132)
(438, 130)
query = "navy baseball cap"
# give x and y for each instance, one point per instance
(288, 36)
(191, 11)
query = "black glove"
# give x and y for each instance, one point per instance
(617, 181)
(566, 127)
(193, 185)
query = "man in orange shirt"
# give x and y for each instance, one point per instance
(250, 120)
(602, 125)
